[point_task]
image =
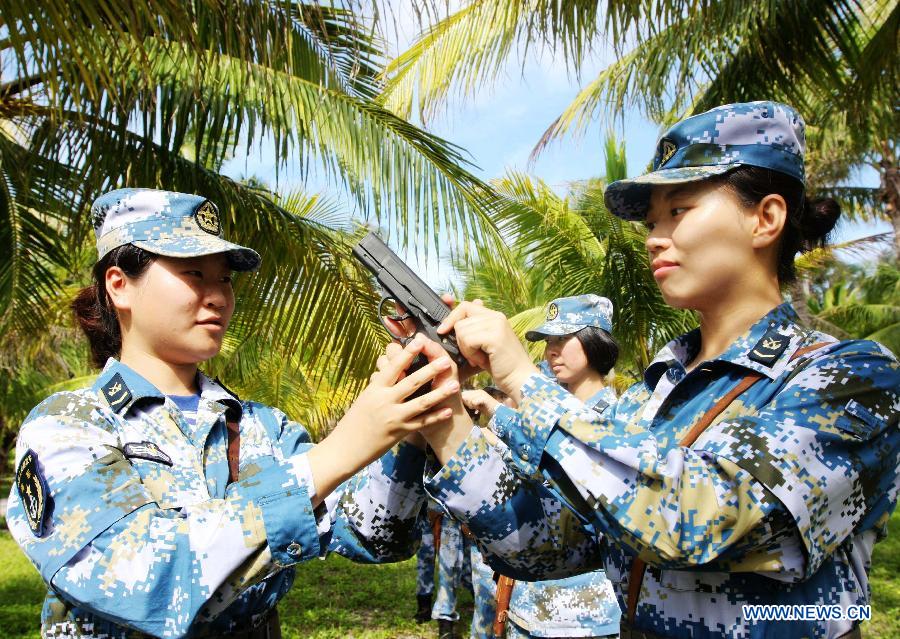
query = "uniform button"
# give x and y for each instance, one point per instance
(294, 549)
(525, 452)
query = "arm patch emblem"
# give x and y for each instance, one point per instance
(146, 450)
(32, 491)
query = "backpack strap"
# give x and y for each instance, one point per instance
(639, 567)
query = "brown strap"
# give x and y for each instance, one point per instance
(639, 567)
(234, 450)
(436, 523)
(504, 594)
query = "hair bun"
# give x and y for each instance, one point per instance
(816, 220)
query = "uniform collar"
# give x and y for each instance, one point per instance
(765, 348)
(122, 387)
(605, 396)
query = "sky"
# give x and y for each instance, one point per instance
(498, 128)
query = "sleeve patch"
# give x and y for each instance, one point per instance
(146, 450)
(32, 491)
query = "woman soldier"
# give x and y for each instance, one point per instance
(755, 463)
(156, 502)
(579, 354)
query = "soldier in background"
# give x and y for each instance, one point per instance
(444, 540)
(580, 354)
(754, 464)
(157, 503)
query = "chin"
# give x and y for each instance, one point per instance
(678, 299)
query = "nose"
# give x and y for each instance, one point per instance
(655, 242)
(218, 295)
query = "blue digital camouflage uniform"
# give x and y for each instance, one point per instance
(779, 501)
(125, 506)
(484, 596)
(139, 528)
(578, 606)
(454, 570)
(425, 553)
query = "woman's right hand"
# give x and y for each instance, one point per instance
(381, 416)
(479, 400)
(487, 341)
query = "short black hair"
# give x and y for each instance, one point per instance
(600, 348)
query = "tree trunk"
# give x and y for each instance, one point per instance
(890, 192)
(799, 290)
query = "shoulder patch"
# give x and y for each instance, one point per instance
(32, 491)
(146, 450)
(116, 392)
(769, 348)
(600, 407)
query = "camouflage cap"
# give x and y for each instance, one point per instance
(764, 134)
(567, 315)
(165, 223)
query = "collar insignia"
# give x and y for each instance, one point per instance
(32, 491)
(208, 218)
(146, 450)
(116, 392)
(769, 348)
(667, 149)
(552, 312)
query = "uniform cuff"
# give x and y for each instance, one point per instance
(459, 485)
(504, 420)
(287, 512)
(540, 410)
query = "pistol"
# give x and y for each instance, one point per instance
(402, 287)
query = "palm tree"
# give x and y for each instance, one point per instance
(838, 61)
(863, 305)
(98, 94)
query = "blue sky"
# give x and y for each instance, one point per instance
(500, 126)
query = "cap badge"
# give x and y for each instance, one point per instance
(667, 149)
(207, 218)
(552, 312)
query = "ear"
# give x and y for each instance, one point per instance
(118, 288)
(770, 216)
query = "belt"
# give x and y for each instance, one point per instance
(268, 627)
(626, 631)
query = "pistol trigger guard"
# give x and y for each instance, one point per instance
(396, 318)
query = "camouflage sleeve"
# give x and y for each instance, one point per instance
(376, 510)
(372, 516)
(820, 459)
(102, 542)
(504, 419)
(518, 523)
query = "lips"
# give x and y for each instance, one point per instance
(211, 322)
(661, 267)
